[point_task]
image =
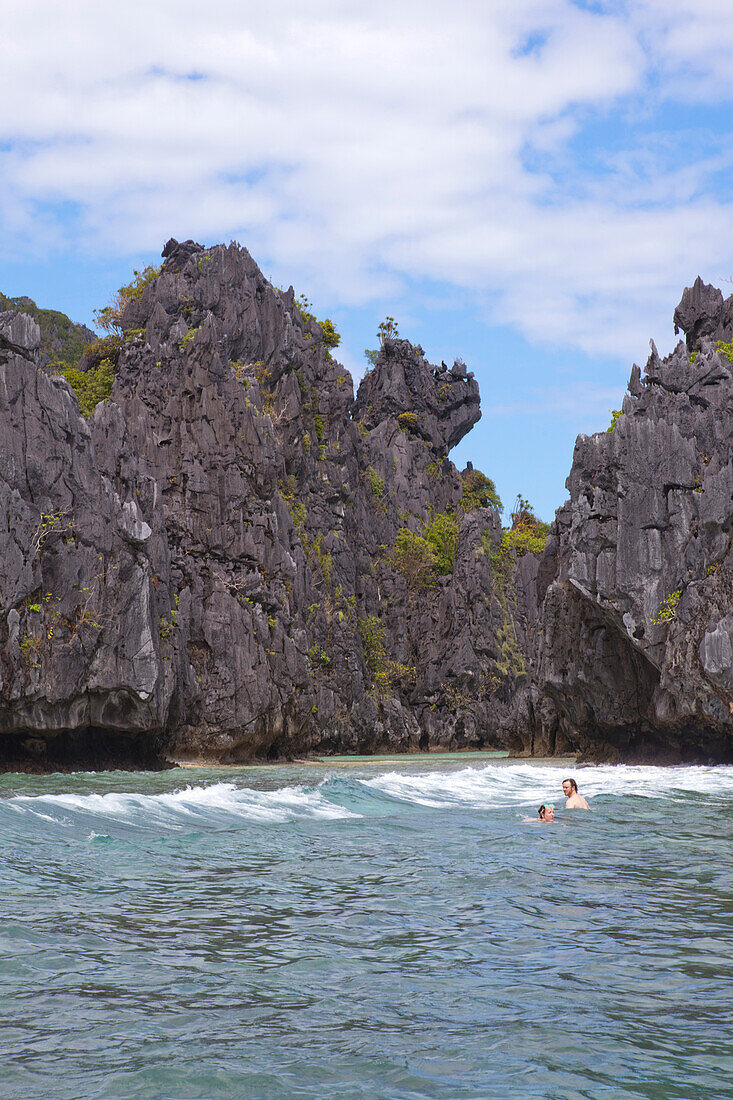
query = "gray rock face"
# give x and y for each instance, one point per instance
(704, 314)
(204, 569)
(438, 405)
(633, 659)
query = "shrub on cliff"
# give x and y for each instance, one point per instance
(725, 350)
(526, 535)
(479, 491)
(110, 318)
(388, 330)
(441, 534)
(91, 386)
(420, 558)
(330, 338)
(413, 557)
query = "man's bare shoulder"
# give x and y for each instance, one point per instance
(577, 802)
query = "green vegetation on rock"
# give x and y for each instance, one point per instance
(668, 608)
(330, 337)
(62, 341)
(91, 386)
(377, 486)
(441, 534)
(421, 558)
(408, 422)
(479, 491)
(725, 350)
(387, 673)
(387, 331)
(526, 535)
(110, 318)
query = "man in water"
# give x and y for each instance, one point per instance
(575, 801)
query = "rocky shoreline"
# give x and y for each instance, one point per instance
(231, 557)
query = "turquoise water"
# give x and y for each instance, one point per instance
(367, 930)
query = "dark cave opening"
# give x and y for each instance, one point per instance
(90, 748)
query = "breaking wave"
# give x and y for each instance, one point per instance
(526, 784)
(217, 803)
(225, 805)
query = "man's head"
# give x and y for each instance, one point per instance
(569, 786)
(546, 813)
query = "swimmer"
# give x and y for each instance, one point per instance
(575, 801)
(546, 816)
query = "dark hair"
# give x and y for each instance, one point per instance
(542, 809)
(572, 783)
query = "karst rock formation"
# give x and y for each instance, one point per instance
(634, 657)
(202, 569)
(233, 558)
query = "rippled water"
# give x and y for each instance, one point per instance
(390, 930)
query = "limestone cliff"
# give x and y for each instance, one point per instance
(233, 558)
(634, 659)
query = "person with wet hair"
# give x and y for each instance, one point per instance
(546, 814)
(575, 801)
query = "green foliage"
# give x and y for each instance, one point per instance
(318, 421)
(725, 350)
(433, 469)
(61, 340)
(524, 539)
(34, 607)
(110, 318)
(107, 347)
(303, 305)
(166, 626)
(31, 648)
(511, 660)
(188, 338)
(240, 369)
(419, 558)
(441, 534)
(386, 673)
(91, 386)
(667, 608)
(413, 557)
(331, 338)
(479, 491)
(387, 331)
(408, 421)
(526, 535)
(615, 414)
(288, 490)
(692, 357)
(377, 484)
(371, 632)
(319, 656)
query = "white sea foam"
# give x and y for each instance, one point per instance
(187, 806)
(527, 784)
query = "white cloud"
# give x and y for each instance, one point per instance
(354, 147)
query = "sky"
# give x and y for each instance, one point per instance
(528, 186)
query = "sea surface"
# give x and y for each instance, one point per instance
(367, 928)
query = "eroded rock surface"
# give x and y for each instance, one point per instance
(633, 659)
(206, 563)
